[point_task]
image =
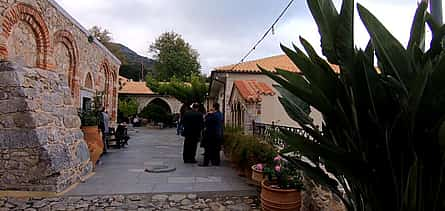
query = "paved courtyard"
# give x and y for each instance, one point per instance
(122, 171)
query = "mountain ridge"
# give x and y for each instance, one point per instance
(131, 61)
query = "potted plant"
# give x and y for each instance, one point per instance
(89, 126)
(258, 173)
(282, 188)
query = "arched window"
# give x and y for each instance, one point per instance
(89, 81)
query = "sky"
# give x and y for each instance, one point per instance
(223, 31)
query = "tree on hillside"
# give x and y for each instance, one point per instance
(174, 57)
(103, 35)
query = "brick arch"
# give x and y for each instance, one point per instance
(67, 39)
(110, 72)
(31, 16)
(88, 81)
(105, 68)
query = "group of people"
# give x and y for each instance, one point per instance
(207, 129)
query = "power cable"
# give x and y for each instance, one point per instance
(271, 29)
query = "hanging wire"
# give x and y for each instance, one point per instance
(270, 29)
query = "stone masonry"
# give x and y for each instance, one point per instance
(48, 63)
(41, 144)
(39, 33)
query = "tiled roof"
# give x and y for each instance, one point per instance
(133, 87)
(251, 90)
(269, 63)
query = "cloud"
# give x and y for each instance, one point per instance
(223, 31)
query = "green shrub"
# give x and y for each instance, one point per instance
(157, 113)
(89, 118)
(246, 150)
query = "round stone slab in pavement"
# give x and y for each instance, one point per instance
(160, 169)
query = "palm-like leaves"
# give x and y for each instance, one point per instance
(383, 132)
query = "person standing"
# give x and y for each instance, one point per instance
(193, 124)
(213, 137)
(220, 117)
(104, 127)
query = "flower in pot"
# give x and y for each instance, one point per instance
(258, 172)
(282, 188)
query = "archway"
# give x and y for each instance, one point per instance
(157, 111)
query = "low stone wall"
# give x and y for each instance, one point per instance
(41, 144)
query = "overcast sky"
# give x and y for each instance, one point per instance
(224, 30)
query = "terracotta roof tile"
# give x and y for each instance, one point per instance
(251, 90)
(269, 63)
(134, 87)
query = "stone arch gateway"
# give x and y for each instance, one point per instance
(173, 104)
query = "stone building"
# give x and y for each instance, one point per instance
(39, 33)
(49, 67)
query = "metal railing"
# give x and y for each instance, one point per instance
(269, 133)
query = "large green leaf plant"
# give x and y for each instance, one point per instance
(382, 137)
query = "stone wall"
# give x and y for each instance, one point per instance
(45, 57)
(41, 144)
(39, 33)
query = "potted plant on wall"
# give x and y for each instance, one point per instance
(282, 188)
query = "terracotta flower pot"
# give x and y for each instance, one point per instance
(94, 141)
(275, 199)
(257, 175)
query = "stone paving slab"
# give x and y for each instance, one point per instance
(122, 171)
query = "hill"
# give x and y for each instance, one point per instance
(131, 61)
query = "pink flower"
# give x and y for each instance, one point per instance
(259, 167)
(278, 168)
(277, 158)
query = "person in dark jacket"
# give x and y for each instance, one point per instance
(193, 124)
(212, 140)
(104, 127)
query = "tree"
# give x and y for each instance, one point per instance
(128, 107)
(174, 57)
(382, 137)
(103, 35)
(193, 90)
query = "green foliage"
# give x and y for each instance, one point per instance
(192, 90)
(246, 150)
(382, 135)
(128, 107)
(103, 35)
(90, 117)
(157, 113)
(132, 71)
(174, 57)
(283, 174)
